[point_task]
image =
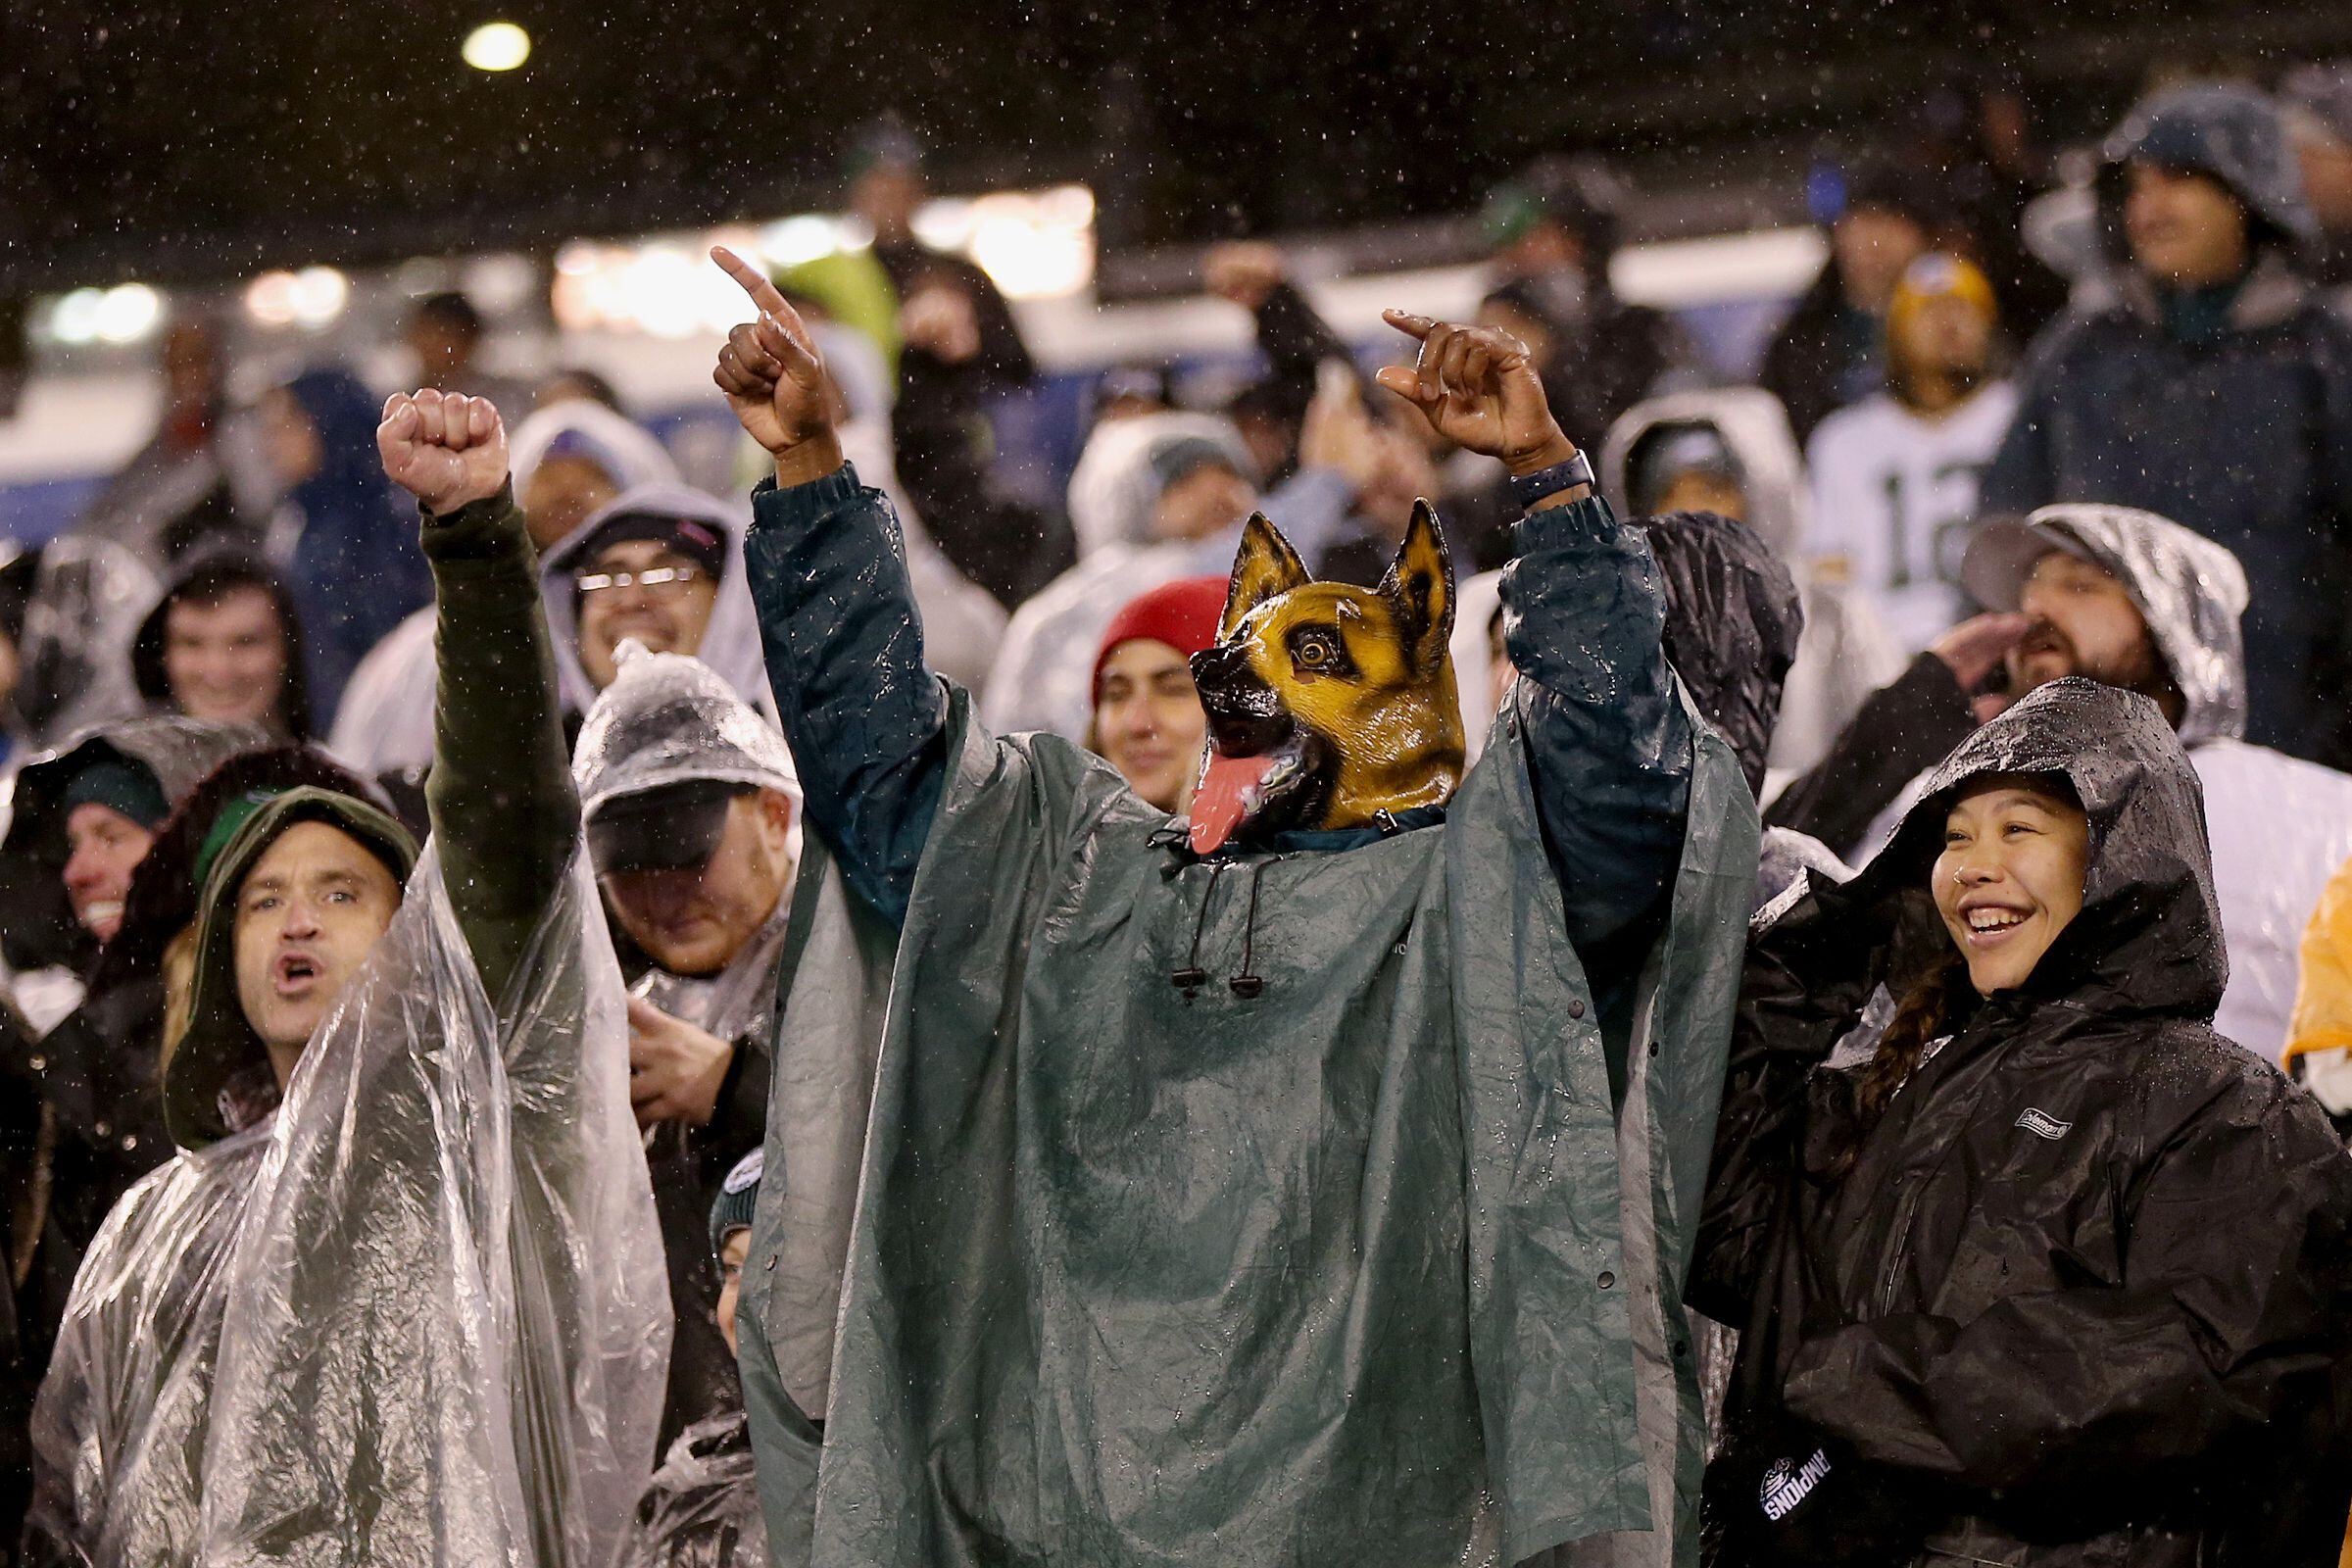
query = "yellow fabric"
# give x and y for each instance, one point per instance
(2322, 1017)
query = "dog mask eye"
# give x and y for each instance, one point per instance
(1318, 651)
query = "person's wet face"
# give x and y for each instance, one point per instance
(1148, 722)
(2185, 229)
(694, 920)
(102, 847)
(731, 1254)
(1873, 245)
(2010, 876)
(307, 914)
(1945, 336)
(668, 616)
(562, 493)
(2085, 623)
(226, 660)
(1208, 500)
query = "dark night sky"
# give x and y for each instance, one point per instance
(205, 138)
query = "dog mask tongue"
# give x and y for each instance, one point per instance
(1230, 791)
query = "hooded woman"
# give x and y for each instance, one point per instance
(354, 570)
(2052, 1273)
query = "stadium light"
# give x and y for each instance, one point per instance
(497, 46)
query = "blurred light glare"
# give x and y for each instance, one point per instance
(799, 239)
(128, 313)
(270, 299)
(497, 46)
(75, 319)
(316, 295)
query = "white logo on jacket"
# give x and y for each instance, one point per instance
(2042, 1124)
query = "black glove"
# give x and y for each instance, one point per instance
(1783, 1495)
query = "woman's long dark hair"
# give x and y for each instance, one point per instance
(1927, 1006)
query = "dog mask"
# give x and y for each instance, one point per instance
(1329, 705)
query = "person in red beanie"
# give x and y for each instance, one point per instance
(1147, 722)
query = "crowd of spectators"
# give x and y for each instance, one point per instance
(1985, 460)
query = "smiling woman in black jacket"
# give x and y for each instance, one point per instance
(2052, 1273)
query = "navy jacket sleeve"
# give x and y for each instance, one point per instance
(866, 720)
(1611, 746)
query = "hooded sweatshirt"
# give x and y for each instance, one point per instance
(1845, 653)
(2084, 1293)
(1043, 677)
(355, 571)
(2236, 422)
(2279, 825)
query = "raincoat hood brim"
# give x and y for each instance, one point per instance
(730, 643)
(2148, 939)
(2228, 133)
(2189, 590)
(1755, 429)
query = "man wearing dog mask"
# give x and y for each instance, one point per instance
(1306, 1182)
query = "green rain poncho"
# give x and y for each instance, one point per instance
(1375, 1266)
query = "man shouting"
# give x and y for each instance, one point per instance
(399, 1299)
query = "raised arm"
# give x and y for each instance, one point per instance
(865, 718)
(503, 810)
(1607, 739)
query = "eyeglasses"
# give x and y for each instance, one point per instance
(597, 582)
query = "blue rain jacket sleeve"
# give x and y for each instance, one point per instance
(1608, 740)
(866, 720)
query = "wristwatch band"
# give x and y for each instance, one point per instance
(1528, 489)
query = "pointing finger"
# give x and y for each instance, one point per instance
(765, 294)
(1405, 321)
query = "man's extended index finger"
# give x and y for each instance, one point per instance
(764, 293)
(1411, 325)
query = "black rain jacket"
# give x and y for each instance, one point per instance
(2087, 1285)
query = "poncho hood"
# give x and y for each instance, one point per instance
(2190, 591)
(2148, 939)
(2230, 133)
(1752, 424)
(730, 642)
(1732, 621)
(219, 1044)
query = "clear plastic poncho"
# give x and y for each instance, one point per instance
(416, 1317)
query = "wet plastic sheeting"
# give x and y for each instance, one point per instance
(417, 1318)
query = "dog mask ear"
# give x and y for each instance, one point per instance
(1419, 585)
(1265, 567)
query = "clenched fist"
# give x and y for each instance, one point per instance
(445, 449)
(775, 380)
(1477, 387)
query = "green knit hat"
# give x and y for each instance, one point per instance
(219, 1043)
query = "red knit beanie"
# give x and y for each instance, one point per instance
(1184, 615)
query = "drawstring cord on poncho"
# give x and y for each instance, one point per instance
(1247, 983)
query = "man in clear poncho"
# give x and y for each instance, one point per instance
(399, 1299)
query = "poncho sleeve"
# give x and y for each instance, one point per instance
(844, 642)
